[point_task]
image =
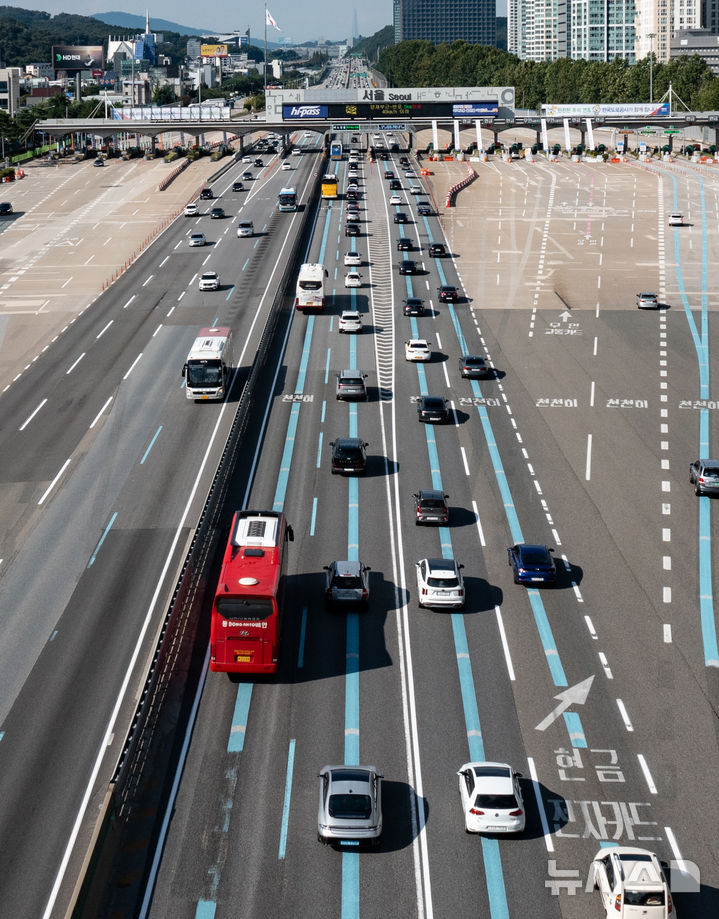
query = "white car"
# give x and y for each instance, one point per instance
(352, 186)
(352, 258)
(353, 279)
(350, 321)
(395, 199)
(245, 228)
(491, 798)
(246, 159)
(417, 349)
(676, 220)
(296, 151)
(632, 884)
(286, 165)
(197, 239)
(440, 583)
(192, 209)
(209, 280)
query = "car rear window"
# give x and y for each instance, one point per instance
(350, 807)
(711, 471)
(644, 897)
(348, 453)
(534, 557)
(432, 503)
(348, 582)
(498, 802)
(442, 582)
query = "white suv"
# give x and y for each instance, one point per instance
(245, 228)
(440, 583)
(632, 884)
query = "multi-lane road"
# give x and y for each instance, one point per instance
(582, 441)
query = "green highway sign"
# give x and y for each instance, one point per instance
(671, 130)
(345, 127)
(648, 131)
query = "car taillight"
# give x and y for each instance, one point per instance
(618, 903)
(460, 592)
(476, 811)
(670, 905)
(424, 591)
(365, 593)
(517, 813)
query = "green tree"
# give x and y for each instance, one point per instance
(164, 94)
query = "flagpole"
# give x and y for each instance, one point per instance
(265, 67)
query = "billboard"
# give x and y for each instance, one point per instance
(78, 57)
(304, 111)
(474, 109)
(619, 110)
(213, 50)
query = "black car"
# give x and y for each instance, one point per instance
(424, 210)
(400, 217)
(532, 564)
(431, 507)
(206, 193)
(247, 176)
(352, 229)
(389, 174)
(351, 194)
(238, 186)
(413, 306)
(395, 185)
(432, 409)
(437, 250)
(474, 367)
(349, 454)
(5, 208)
(448, 293)
(217, 213)
(258, 162)
(407, 266)
(403, 161)
(383, 155)
(404, 244)
(271, 148)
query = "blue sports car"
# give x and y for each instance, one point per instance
(532, 564)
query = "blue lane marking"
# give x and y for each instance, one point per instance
(319, 450)
(230, 292)
(205, 909)
(322, 414)
(314, 517)
(353, 521)
(54, 635)
(422, 377)
(288, 795)
(352, 691)
(353, 421)
(102, 540)
(350, 881)
(701, 346)
(433, 457)
(547, 637)
(151, 444)
(303, 635)
(327, 365)
(353, 353)
(238, 730)
(245, 265)
(575, 729)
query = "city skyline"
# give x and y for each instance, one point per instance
(299, 23)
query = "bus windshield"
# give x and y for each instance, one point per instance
(204, 373)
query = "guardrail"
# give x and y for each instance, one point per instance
(152, 745)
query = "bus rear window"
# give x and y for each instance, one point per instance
(245, 608)
(310, 285)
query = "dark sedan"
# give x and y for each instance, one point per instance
(400, 217)
(437, 250)
(407, 266)
(404, 244)
(424, 210)
(217, 213)
(432, 409)
(413, 306)
(474, 367)
(448, 293)
(349, 454)
(532, 565)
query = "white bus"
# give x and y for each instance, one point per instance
(287, 199)
(208, 368)
(310, 292)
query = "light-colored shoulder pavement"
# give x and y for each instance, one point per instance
(74, 228)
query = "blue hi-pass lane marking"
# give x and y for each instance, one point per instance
(230, 292)
(236, 741)
(288, 796)
(245, 265)
(205, 909)
(327, 365)
(102, 540)
(150, 445)
(701, 345)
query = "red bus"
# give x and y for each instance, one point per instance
(248, 605)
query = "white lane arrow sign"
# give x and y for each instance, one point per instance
(564, 317)
(574, 695)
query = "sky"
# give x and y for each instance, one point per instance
(299, 21)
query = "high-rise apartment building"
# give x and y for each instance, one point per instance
(537, 31)
(601, 30)
(473, 21)
(658, 20)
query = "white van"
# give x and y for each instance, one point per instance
(245, 228)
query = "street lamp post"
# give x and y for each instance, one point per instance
(652, 36)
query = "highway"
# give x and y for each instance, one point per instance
(106, 466)
(581, 441)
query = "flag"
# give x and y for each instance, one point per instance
(270, 21)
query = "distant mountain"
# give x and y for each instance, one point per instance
(137, 24)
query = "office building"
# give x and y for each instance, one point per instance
(438, 21)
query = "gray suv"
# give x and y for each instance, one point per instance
(350, 805)
(347, 584)
(704, 476)
(351, 384)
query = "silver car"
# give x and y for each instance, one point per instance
(347, 584)
(704, 476)
(351, 384)
(350, 805)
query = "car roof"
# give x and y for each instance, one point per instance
(348, 372)
(349, 442)
(531, 547)
(418, 341)
(495, 778)
(430, 494)
(348, 568)
(431, 399)
(350, 314)
(472, 357)
(440, 567)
